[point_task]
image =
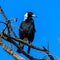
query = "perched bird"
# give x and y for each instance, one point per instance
(27, 30)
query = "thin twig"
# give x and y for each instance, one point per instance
(3, 14)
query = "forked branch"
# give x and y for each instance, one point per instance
(16, 57)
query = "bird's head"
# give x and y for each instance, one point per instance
(29, 15)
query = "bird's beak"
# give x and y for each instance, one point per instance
(34, 15)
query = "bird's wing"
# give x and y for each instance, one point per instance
(33, 26)
(27, 27)
(23, 26)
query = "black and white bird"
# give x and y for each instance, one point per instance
(27, 30)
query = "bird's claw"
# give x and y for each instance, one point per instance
(19, 50)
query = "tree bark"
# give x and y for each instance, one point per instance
(13, 54)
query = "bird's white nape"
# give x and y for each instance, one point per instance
(25, 16)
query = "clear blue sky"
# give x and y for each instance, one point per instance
(47, 24)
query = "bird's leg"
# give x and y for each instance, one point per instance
(21, 44)
(30, 43)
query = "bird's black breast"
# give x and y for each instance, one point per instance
(27, 28)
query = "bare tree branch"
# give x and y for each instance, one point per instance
(16, 57)
(22, 41)
(3, 14)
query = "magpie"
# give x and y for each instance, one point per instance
(27, 30)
